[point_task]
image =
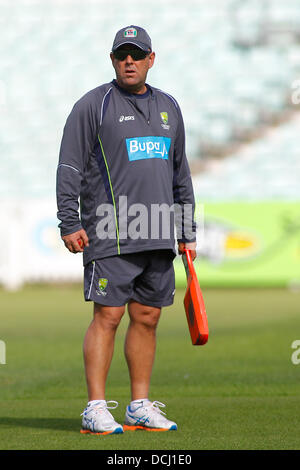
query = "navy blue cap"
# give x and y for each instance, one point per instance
(133, 35)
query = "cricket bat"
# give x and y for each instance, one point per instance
(194, 303)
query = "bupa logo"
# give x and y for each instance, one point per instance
(140, 148)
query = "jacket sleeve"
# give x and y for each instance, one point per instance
(183, 192)
(78, 138)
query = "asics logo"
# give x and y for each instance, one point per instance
(90, 422)
(142, 420)
(126, 118)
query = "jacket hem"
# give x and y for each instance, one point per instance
(128, 250)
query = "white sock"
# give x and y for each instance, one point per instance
(99, 402)
(138, 402)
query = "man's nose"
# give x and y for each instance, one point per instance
(129, 59)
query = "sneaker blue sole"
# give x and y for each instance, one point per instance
(105, 433)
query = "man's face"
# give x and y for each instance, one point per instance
(131, 74)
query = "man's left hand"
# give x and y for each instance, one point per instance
(188, 246)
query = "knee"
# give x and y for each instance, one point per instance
(108, 317)
(147, 316)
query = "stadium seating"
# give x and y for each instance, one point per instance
(266, 169)
(229, 63)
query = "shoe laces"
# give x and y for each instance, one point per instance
(100, 407)
(156, 405)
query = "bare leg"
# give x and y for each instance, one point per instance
(98, 348)
(140, 345)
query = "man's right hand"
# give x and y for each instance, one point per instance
(75, 242)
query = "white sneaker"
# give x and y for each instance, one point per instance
(98, 420)
(147, 415)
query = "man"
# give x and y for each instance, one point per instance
(123, 154)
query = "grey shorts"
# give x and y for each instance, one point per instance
(147, 277)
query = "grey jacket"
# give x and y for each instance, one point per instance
(122, 157)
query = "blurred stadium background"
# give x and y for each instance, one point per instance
(234, 67)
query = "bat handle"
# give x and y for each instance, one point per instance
(188, 254)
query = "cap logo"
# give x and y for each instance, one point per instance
(130, 33)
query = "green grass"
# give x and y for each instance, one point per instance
(239, 391)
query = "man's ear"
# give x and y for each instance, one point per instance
(151, 59)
